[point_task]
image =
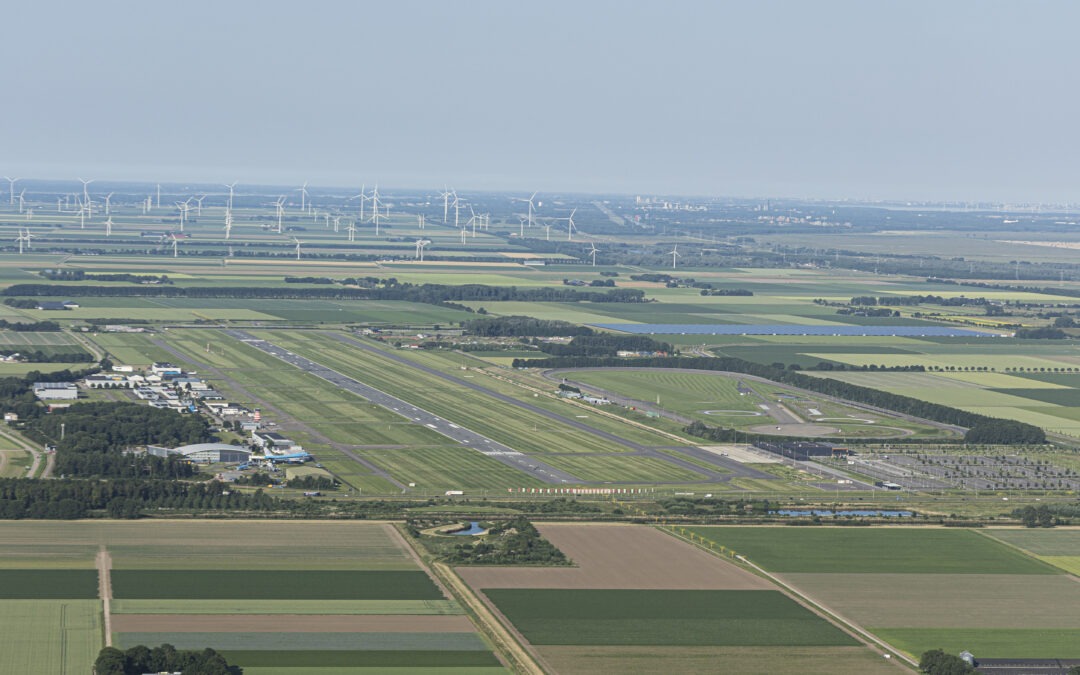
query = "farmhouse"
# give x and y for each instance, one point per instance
(47, 391)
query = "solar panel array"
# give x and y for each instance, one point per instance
(781, 329)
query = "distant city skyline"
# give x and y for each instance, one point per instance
(959, 101)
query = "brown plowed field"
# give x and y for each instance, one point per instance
(619, 556)
(288, 623)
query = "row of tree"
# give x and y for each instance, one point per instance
(523, 326)
(164, 659)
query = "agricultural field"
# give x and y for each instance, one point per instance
(921, 588)
(634, 587)
(279, 597)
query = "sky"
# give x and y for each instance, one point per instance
(965, 100)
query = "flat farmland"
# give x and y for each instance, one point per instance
(664, 617)
(49, 637)
(921, 589)
(872, 550)
(640, 600)
(1060, 547)
(274, 584)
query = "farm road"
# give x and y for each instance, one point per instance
(730, 468)
(482, 444)
(288, 421)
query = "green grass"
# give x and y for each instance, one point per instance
(622, 468)
(372, 658)
(259, 584)
(49, 637)
(880, 550)
(446, 467)
(48, 584)
(1062, 397)
(308, 641)
(1005, 643)
(653, 617)
(1041, 542)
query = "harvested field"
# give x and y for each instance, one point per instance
(327, 662)
(289, 623)
(619, 556)
(1019, 643)
(958, 600)
(658, 660)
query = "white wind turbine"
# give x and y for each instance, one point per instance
(108, 227)
(230, 186)
(303, 196)
(420, 245)
(531, 205)
(183, 207)
(22, 200)
(228, 223)
(473, 218)
(198, 207)
(375, 213)
(11, 188)
(592, 252)
(675, 255)
(362, 197)
(86, 195)
(280, 204)
(351, 229)
(175, 247)
(24, 237)
(521, 227)
(457, 211)
(298, 242)
(108, 204)
(82, 215)
(446, 194)
(420, 220)
(337, 223)
(570, 226)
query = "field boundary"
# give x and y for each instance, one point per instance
(103, 561)
(864, 636)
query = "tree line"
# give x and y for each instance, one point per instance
(31, 327)
(523, 326)
(981, 427)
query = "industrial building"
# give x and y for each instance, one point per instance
(49, 391)
(205, 453)
(803, 450)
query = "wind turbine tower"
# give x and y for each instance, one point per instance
(675, 255)
(11, 189)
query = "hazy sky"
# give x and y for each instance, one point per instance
(957, 99)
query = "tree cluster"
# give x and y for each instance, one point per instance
(604, 344)
(937, 662)
(81, 275)
(515, 542)
(164, 659)
(31, 327)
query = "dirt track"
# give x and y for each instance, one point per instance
(289, 623)
(619, 556)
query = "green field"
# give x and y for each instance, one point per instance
(279, 606)
(49, 637)
(48, 584)
(255, 584)
(652, 617)
(872, 550)
(1017, 643)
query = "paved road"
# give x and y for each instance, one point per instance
(480, 443)
(288, 421)
(729, 468)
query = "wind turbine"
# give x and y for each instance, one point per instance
(303, 196)
(298, 242)
(592, 252)
(472, 220)
(351, 229)
(175, 247)
(11, 188)
(228, 223)
(86, 194)
(445, 194)
(82, 216)
(375, 213)
(530, 203)
(22, 201)
(362, 197)
(108, 227)
(24, 237)
(230, 192)
(108, 205)
(675, 255)
(521, 227)
(420, 219)
(280, 211)
(198, 208)
(570, 226)
(457, 211)
(183, 206)
(337, 222)
(420, 245)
